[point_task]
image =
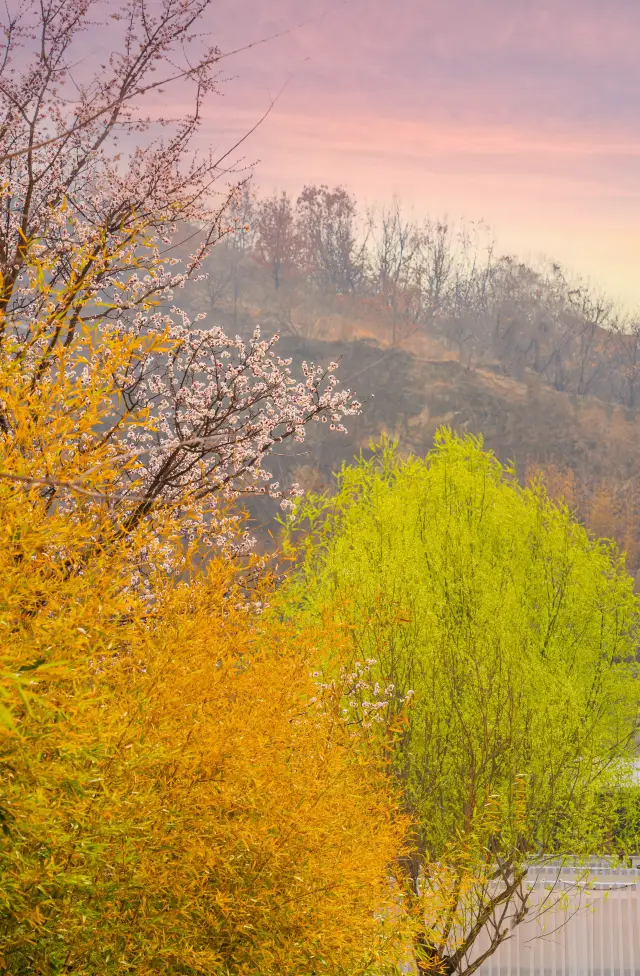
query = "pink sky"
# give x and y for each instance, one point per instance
(525, 113)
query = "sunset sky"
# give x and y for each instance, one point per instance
(523, 113)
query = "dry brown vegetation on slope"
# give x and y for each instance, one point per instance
(434, 327)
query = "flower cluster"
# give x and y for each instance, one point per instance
(364, 701)
(219, 406)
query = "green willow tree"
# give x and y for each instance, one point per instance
(511, 634)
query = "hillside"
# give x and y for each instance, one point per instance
(544, 369)
(526, 421)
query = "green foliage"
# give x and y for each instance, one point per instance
(514, 630)
(514, 635)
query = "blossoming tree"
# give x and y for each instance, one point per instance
(100, 191)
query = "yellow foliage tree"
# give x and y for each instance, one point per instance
(175, 795)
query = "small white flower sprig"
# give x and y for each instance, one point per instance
(364, 701)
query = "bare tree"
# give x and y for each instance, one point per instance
(469, 295)
(276, 237)
(625, 352)
(392, 257)
(437, 259)
(596, 319)
(327, 237)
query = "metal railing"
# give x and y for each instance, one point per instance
(590, 929)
